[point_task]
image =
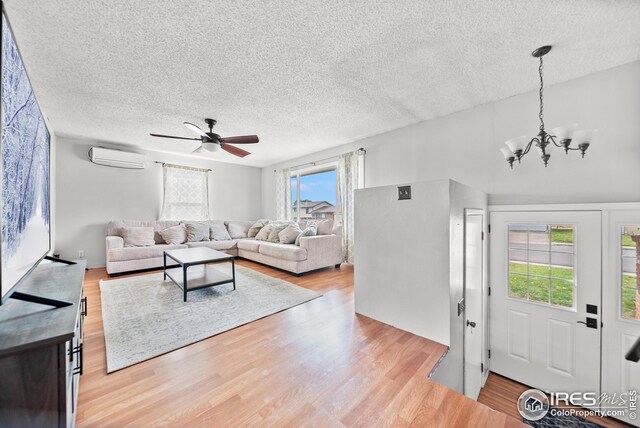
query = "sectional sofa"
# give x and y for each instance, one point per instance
(314, 252)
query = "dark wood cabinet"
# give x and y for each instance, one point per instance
(41, 350)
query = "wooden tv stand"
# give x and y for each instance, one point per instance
(41, 349)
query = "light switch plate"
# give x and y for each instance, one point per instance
(404, 192)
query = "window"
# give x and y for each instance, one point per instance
(314, 195)
(541, 262)
(630, 305)
(186, 193)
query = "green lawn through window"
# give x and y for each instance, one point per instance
(565, 236)
(561, 280)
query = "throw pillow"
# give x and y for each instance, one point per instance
(309, 231)
(197, 232)
(137, 236)
(219, 232)
(325, 227)
(275, 231)
(289, 234)
(238, 229)
(263, 235)
(174, 235)
(257, 226)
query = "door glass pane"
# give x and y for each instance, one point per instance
(541, 262)
(630, 286)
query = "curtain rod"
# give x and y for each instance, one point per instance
(183, 166)
(360, 152)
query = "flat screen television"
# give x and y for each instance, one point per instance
(25, 167)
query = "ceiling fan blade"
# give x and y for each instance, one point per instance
(198, 151)
(241, 139)
(172, 136)
(234, 150)
(195, 129)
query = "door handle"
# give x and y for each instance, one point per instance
(591, 322)
(471, 323)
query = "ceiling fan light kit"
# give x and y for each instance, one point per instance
(212, 142)
(561, 136)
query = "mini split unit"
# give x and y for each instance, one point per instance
(117, 158)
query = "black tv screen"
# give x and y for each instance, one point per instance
(25, 147)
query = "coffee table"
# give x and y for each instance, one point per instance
(195, 280)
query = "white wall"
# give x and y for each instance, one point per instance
(401, 271)
(87, 196)
(464, 146)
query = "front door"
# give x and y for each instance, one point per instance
(545, 280)
(621, 378)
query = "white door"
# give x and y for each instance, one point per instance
(473, 297)
(621, 314)
(545, 270)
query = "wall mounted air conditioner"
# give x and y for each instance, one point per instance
(117, 158)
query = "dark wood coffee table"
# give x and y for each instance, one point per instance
(188, 257)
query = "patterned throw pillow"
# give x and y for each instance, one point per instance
(275, 230)
(263, 235)
(309, 231)
(257, 226)
(174, 235)
(197, 232)
(289, 234)
(219, 232)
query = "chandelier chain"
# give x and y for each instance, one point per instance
(541, 114)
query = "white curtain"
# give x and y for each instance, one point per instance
(186, 193)
(350, 177)
(283, 194)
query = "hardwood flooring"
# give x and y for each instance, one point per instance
(501, 393)
(317, 364)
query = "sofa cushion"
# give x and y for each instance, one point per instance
(308, 231)
(214, 245)
(257, 226)
(289, 234)
(174, 234)
(239, 229)
(263, 235)
(219, 232)
(249, 244)
(114, 227)
(275, 231)
(137, 236)
(325, 227)
(283, 251)
(197, 231)
(136, 253)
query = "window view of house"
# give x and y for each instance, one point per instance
(314, 196)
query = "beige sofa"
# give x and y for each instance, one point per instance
(314, 252)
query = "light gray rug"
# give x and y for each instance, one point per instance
(144, 316)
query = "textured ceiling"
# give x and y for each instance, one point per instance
(303, 75)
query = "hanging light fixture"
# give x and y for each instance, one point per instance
(561, 136)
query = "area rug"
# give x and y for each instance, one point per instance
(145, 316)
(561, 421)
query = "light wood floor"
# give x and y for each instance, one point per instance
(318, 364)
(501, 394)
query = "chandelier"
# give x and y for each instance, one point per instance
(561, 136)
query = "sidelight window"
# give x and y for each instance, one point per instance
(541, 263)
(630, 286)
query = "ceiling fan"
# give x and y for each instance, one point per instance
(212, 142)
